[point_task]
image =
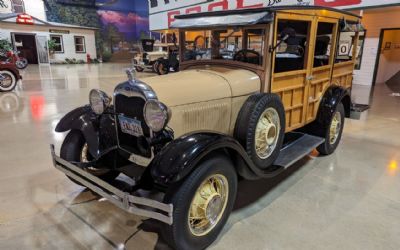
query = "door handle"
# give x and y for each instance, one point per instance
(310, 78)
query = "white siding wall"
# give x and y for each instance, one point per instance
(35, 8)
(374, 21)
(68, 39)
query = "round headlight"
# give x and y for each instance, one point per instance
(156, 115)
(99, 101)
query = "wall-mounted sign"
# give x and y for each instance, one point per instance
(24, 19)
(5, 6)
(59, 31)
(162, 12)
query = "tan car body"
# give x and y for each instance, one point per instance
(205, 98)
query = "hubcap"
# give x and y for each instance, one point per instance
(335, 128)
(208, 205)
(267, 133)
(6, 81)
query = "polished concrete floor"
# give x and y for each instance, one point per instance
(349, 200)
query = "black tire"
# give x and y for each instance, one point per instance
(329, 147)
(10, 81)
(155, 66)
(162, 67)
(179, 235)
(71, 151)
(138, 68)
(246, 125)
(22, 63)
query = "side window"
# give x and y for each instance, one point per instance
(345, 47)
(58, 41)
(323, 44)
(292, 45)
(80, 44)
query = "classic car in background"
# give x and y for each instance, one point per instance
(160, 57)
(9, 76)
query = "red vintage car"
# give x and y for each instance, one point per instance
(9, 76)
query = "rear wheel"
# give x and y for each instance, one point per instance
(162, 68)
(202, 204)
(332, 131)
(22, 63)
(8, 81)
(75, 149)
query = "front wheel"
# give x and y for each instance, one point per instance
(8, 81)
(202, 204)
(260, 128)
(75, 149)
(332, 132)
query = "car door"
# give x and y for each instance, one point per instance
(292, 63)
(319, 77)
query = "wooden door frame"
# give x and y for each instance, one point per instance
(378, 55)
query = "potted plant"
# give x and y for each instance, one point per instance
(51, 44)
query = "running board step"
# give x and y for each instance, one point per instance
(297, 150)
(357, 110)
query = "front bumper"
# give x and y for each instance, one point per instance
(133, 204)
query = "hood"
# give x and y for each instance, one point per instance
(203, 84)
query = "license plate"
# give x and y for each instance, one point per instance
(131, 126)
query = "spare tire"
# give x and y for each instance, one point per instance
(260, 128)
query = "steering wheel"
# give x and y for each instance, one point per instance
(242, 56)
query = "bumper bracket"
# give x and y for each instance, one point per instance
(133, 204)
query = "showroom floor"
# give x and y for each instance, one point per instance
(349, 200)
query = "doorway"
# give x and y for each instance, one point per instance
(26, 45)
(387, 69)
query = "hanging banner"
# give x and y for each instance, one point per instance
(348, 4)
(5, 7)
(162, 12)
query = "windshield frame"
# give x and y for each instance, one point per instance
(259, 69)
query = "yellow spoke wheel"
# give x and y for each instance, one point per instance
(208, 205)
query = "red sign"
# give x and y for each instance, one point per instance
(336, 3)
(24, 19)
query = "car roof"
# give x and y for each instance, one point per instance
(264, 9)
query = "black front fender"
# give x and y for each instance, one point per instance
(178, 159)
(82, 119)
(332, 97)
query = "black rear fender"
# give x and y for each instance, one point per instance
(331, 99)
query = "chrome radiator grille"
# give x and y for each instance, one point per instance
(132, 107)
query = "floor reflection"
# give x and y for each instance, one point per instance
(316, 204)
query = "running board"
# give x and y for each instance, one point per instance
(297, 149)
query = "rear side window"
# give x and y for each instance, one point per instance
(292, 45)
(323, 43)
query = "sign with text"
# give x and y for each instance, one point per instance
(162, 12)
(5, 7)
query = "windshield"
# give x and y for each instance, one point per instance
(244, 45)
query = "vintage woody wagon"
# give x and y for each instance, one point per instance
(258, 89)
